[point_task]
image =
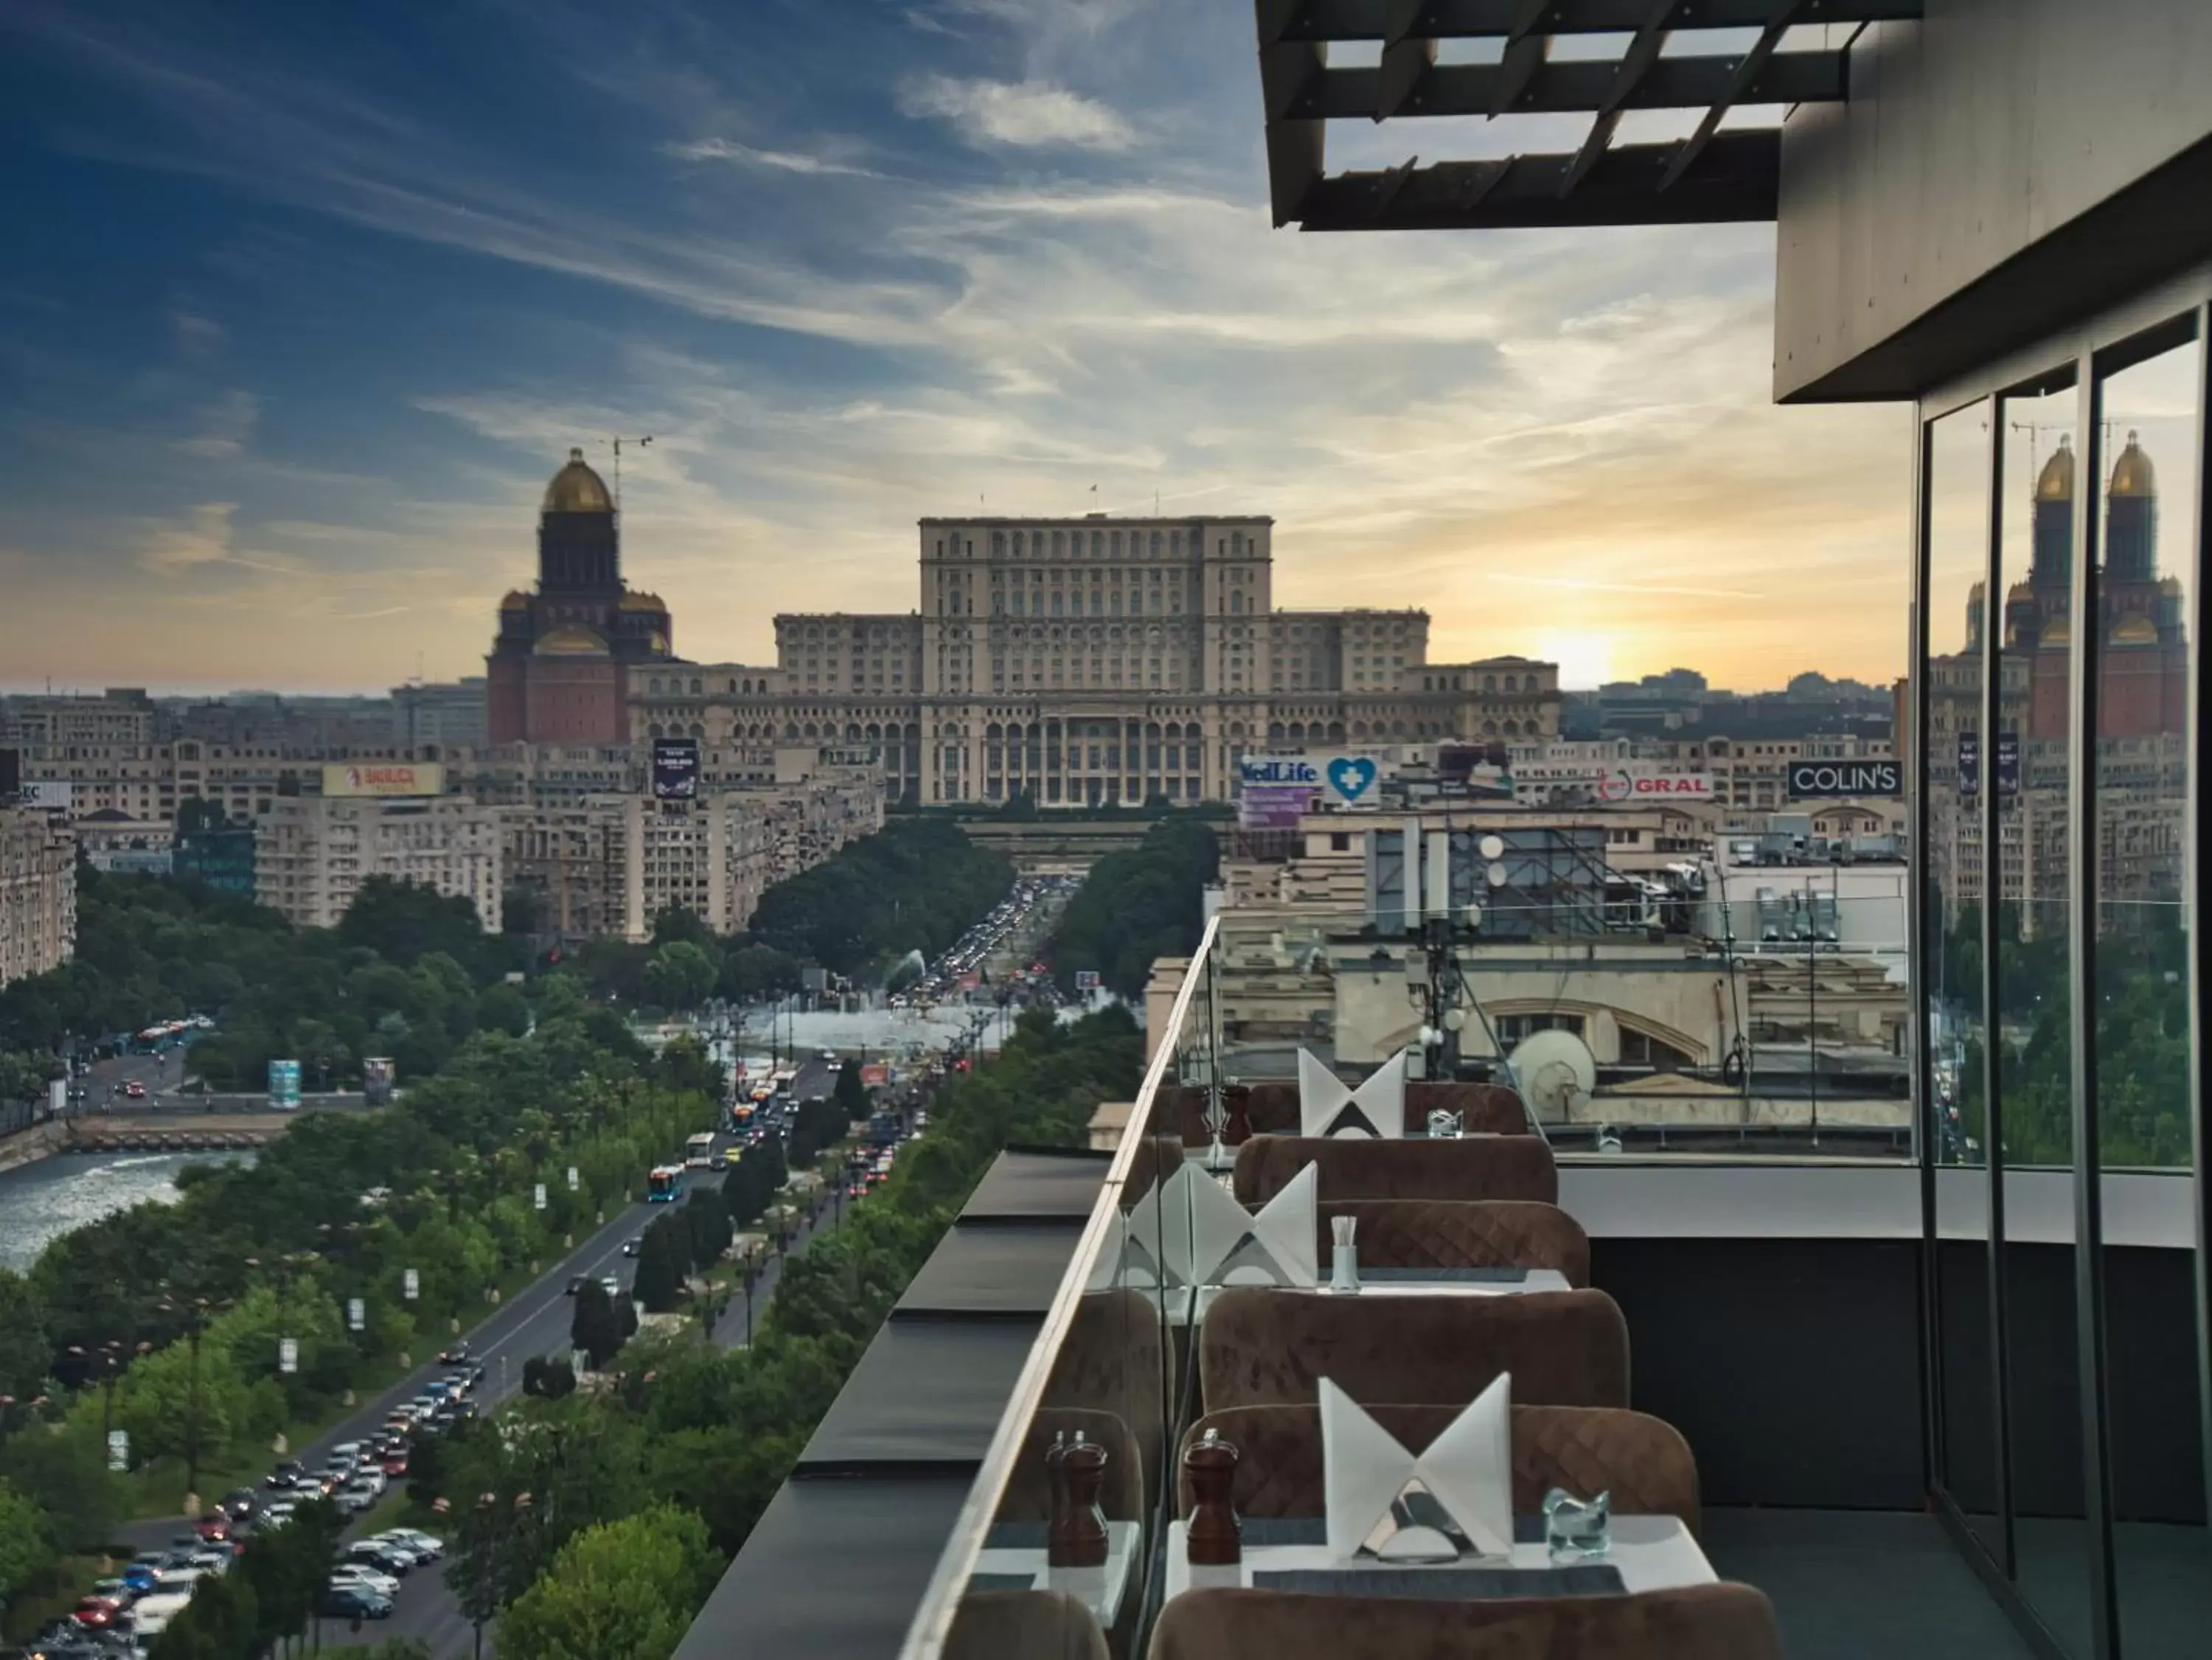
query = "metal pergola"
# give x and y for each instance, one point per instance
(1707, 177)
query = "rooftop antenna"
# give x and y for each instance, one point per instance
(640, 443)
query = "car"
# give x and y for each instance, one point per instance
(577, 1283)
(459, 1354)
(135, 1090)
(139, 1577)
(343, 1454)
(380, 1555)
(178, 1579)
(632, 1245)
(360, 1573)
(216, 1559)
(240, 1504)
(611, 1285)
(214, 1525)
(415, 1536)
(151, 1561)
(398, 1550)
(96, 1612)
(394, 1465)
(284, 1475)
(183, 1544)
(276, 1515)
(344, 1602)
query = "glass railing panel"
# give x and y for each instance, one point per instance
(2148, 503)
(1064, 1527)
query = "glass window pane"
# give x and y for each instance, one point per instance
(2034, 1049)
(2146, 574)
(1953, 767)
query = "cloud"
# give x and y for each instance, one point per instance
(224, 427)
(1028, 114)
(797, 161)
(204, 538)
(199, 338)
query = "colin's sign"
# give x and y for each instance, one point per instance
(1837, 778)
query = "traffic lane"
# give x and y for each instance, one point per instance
(730, 1328)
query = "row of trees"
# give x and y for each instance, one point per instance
(1138, 905)
(694, 1436)
(408, 973)
(915, 886)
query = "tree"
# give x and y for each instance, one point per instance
(851, 1094)
(402, 921)
(596, 1327)
(679, 976)
(623, 1591)
(64, 1472)
(503, 1009)
(661, 1266)
(25, 1349)
(23, 1543)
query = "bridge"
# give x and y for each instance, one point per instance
(172, 1132)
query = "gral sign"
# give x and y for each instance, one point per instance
(675, 769)
(384, 777)
(1625, 784)
(1831, 780)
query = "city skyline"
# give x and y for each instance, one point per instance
(305, 335)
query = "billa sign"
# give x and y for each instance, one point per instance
(1970, 763)
(1623, 786)
(1837, 779)
(675, 769)
(384, 778)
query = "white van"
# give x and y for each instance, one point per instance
(150, 1616)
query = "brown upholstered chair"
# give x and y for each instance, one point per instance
(1459, 1233)
(1268, 1348)
(1035, 1625)
(1272, 1109)
(1690, 1622)
(1116, 1360)
(1355, 1167)
(1641, 1461)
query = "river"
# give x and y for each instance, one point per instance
(40, 1202)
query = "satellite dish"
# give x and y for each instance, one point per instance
(1492, 847)
(1496, 874)
(1555, 1072)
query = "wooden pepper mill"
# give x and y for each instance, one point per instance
(1215, 1537)
(1055, 1481)
(1082, 1541)
(1236, 1103)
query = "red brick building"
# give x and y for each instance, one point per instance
(558, 670)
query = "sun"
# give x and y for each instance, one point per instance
(1585, 660)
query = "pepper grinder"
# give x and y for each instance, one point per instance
(1215, 1537)
(1055, 1481)
(1237, 1098)
(1083, 1541)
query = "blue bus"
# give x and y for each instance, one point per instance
(664, 1184)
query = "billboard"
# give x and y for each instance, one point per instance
(1633, 785)
(47, 795)
(875, 1075)
(1339, 778)
(1831, 780)
(284, 1084)
(384, 777)
(1273, 806)
(378, 1078)
(675, 769)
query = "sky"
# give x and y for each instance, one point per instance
(302, 305)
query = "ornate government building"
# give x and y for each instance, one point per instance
(567, 657)
(1088, 661)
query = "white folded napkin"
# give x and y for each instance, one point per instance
(1230, 1245)
(1467, 1471)
(1376, 1109)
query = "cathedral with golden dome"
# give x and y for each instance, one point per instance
(2142, 640)
(560, 665)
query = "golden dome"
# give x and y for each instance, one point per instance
(577, 489)
(516, 600)
(570, 642)
(634, 600)
(2020, 591)
(2057, 632)
(2055, 482)
(2132, 474)
(2134, 629)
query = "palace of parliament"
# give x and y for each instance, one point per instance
(1088, 660)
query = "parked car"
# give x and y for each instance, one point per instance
(360, 1573)
(380, 1555)
(417, 1541)
(345, 1602)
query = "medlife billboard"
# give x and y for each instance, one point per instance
(1340, 778)
(1838, 779)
